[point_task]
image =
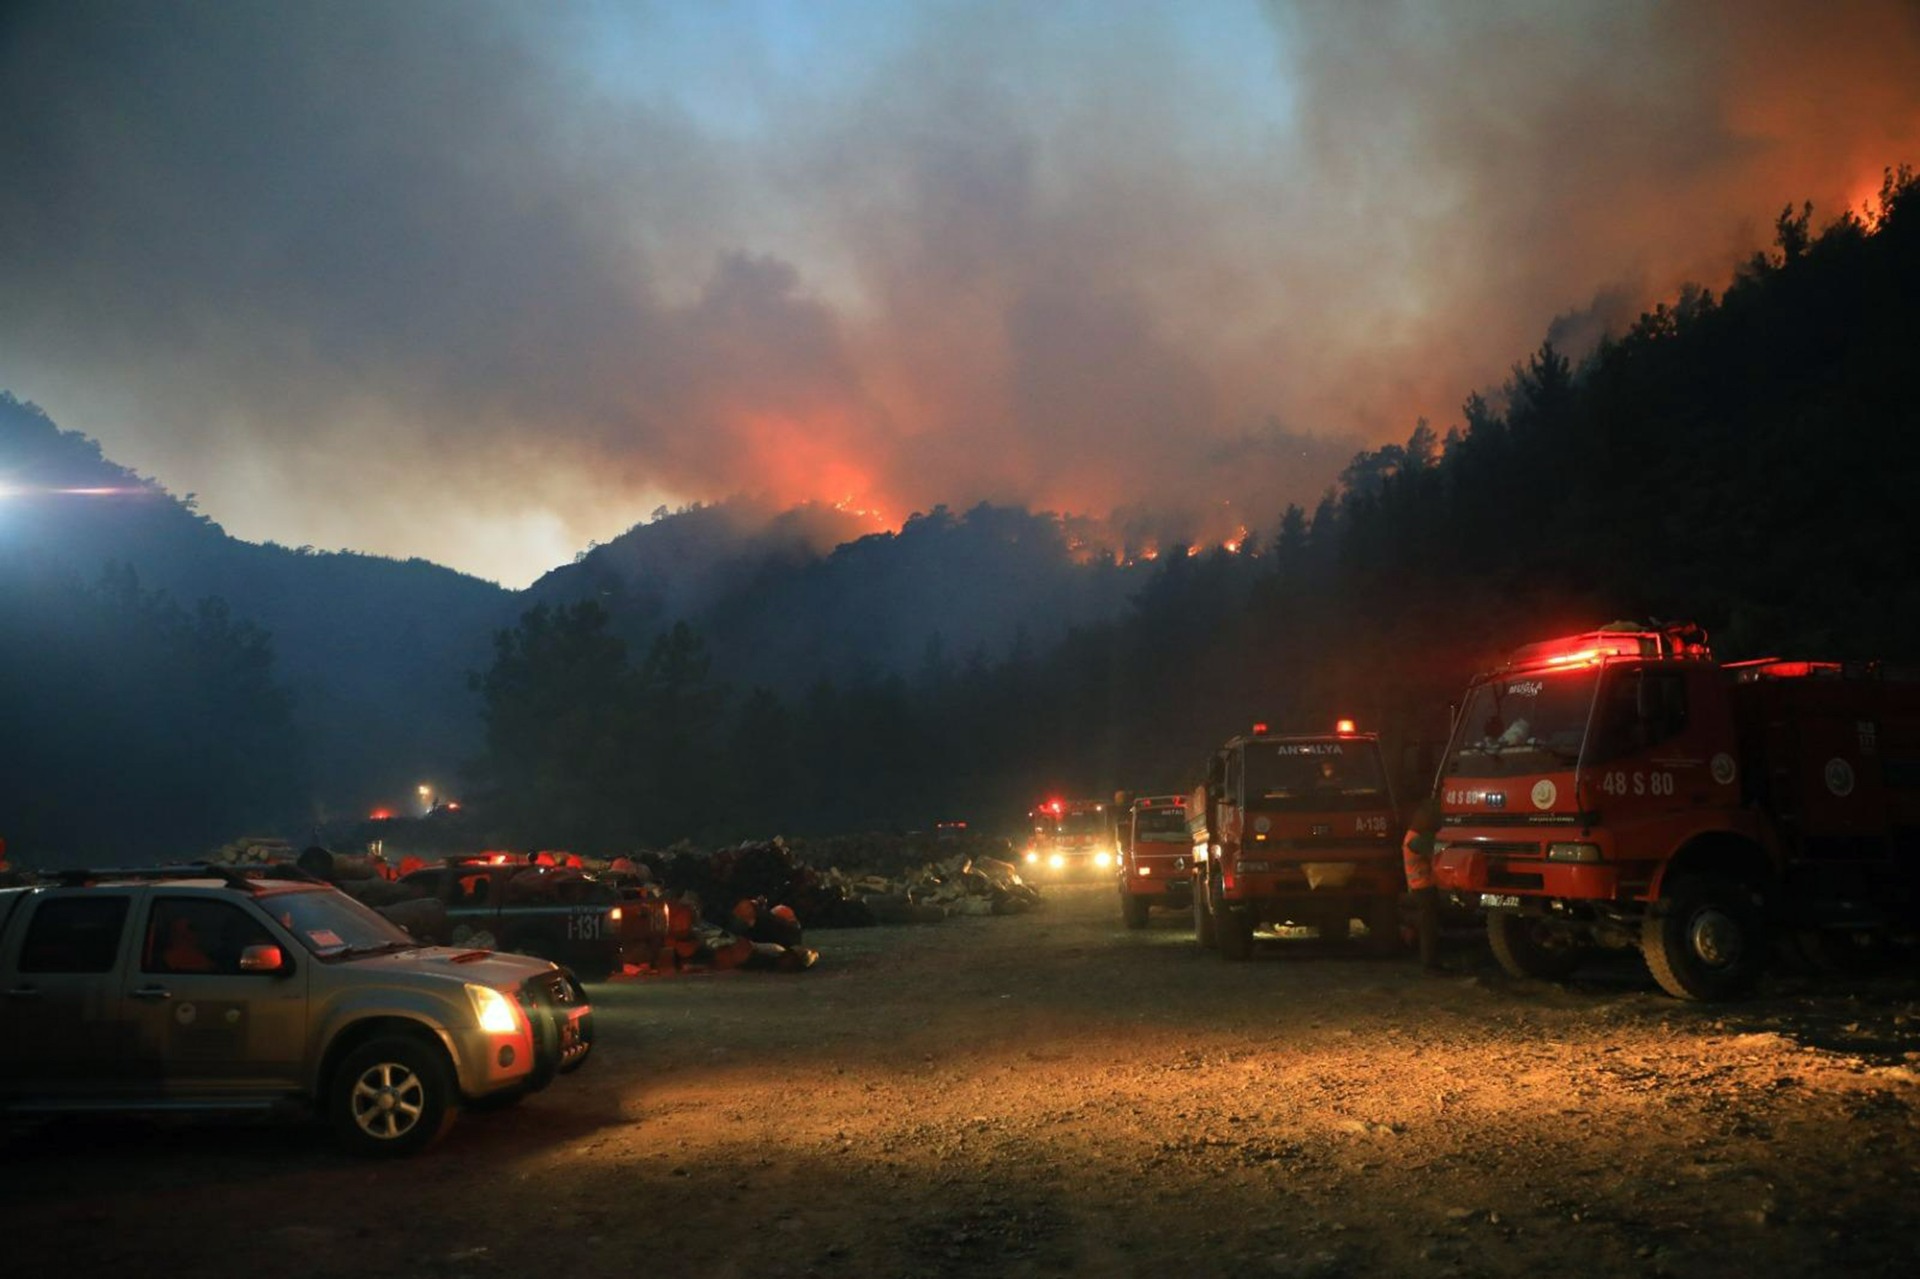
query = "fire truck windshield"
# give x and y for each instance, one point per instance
(1160, 825)
(1080, 823)
(1518, 724)
(1314, 775)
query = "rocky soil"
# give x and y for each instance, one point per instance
(1052, 1094)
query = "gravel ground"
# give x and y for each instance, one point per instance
(1053, 1094)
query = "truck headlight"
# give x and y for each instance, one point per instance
(1103, 860)
(494, 1011)
(1573, 852)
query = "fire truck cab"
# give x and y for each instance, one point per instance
(1156, 851)
(1623, 789)
(1300, 830)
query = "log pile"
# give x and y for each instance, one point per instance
(882, 888)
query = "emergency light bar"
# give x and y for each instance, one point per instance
(1344, 727)
(1684, 640)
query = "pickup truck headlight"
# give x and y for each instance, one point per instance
(494, 1011)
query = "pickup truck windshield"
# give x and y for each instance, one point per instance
(1314, 775)
(333, 925)
(1523, 724)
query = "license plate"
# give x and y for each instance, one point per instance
(1498, 901)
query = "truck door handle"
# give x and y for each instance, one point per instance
(150, 992)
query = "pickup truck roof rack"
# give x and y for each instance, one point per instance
(246, 877)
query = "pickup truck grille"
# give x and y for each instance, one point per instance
(563, 1023)
(554, 989)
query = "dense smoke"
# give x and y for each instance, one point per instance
(482, 283)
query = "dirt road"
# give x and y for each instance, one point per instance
(1053, 1094)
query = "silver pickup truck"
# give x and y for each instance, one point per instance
(207, 989)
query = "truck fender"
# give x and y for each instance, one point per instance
(357, 1031)
(1721, 852)
(352, 1021)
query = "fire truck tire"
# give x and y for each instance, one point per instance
(1527, 947)
(1233, 933)
(1707, 939)
(1202, 916)
(1134, 910)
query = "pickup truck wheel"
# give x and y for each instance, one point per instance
(1233, 933)
(1134, 910)
(1528, 947)
(1706, 938)
(1202, 916)
(391, 1096)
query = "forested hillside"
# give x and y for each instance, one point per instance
(108, 580)
(1736, 459)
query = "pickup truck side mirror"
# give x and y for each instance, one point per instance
(264, 959)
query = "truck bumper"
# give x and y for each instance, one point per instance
(1472, 871)
(1167, 890)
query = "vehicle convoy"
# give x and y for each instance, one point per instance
(1156, 851)
(1070, 839)
(1623, 789)
(1300, 829)
(205, 989)
(549, 911)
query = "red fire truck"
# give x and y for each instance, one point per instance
(1156, 849)
(1300, 830)
(1621, 789)
(1070, 839)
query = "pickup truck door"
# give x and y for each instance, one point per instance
(64, 1034)
(202, 1025)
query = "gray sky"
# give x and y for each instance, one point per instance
(483, 282)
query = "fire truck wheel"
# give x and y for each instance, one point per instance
(1233, 933)
(1707, 940)
(1528, 947)
(1134, 910)
(1202, 917)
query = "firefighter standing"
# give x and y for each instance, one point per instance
(1417, 854)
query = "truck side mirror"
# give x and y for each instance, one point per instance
(264, 959)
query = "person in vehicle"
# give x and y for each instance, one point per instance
(183, 952)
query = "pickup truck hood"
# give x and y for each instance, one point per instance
(481, 967)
